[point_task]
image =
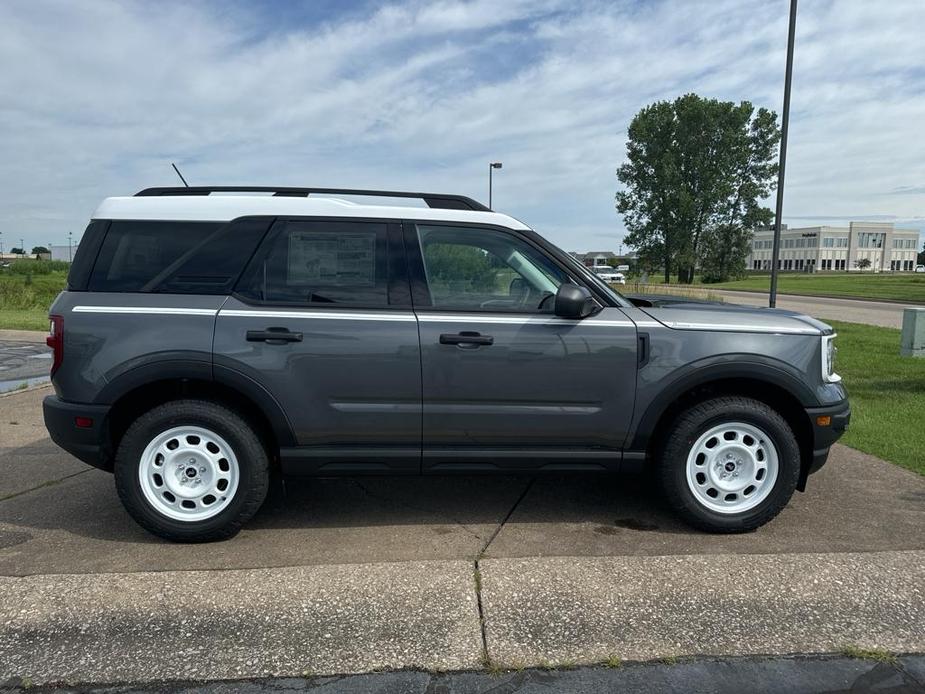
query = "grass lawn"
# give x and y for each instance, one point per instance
(26, 296)
(867, 285)
(887, 394)
(904, 287)
(24, 319)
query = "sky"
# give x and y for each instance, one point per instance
(98, 97)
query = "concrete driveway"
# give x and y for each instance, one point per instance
(350, 575)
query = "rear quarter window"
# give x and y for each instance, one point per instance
(175, 257)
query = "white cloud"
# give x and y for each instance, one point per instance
(99, 97)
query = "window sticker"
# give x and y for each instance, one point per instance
(333, 259)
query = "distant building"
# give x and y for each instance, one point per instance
(825, 248)
(63, 252)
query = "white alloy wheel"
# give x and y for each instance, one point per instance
(188, 473)
(732, 467)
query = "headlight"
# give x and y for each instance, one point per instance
(829, 350)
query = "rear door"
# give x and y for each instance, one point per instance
(507, 385)
(322, 320)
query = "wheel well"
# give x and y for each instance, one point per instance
(783, 402)
(133, 404)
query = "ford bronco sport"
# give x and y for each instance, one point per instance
(207, 335)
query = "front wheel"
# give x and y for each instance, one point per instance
(729, 464)
(191, 471)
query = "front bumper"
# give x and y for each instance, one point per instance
(825, 435)
(87, 443)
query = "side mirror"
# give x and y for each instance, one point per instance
(573, 301)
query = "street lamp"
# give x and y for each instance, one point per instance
(492, 165)
(69, 254)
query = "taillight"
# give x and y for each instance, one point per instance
(55, 340)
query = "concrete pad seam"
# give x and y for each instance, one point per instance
(504, 520)
(412, 507)
(44, 485)
(105, 574)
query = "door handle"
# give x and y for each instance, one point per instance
(273, 336)
(466, 338)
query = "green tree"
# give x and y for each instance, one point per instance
(39, 249)
(696, 170)
(920, 258)
(862, 264)
(17, 251)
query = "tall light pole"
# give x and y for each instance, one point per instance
(491, 166)
(70, 257)
(785, 122)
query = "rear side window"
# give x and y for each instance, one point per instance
(88, 248)
(319, 263)
(175, 257)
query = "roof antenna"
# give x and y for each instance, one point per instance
(179, 174)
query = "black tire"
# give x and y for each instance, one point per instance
(253, 470)
(690, 426)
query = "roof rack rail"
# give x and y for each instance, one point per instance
(436, 200)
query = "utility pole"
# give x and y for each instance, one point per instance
(70, 255)
(785, 123)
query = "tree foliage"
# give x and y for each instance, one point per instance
(862, 263)
(39, 249)
(696, 172)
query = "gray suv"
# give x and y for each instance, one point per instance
(210, 335)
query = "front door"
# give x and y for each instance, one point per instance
(322, 320)
(507, 385)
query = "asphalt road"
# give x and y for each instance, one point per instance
(801, 675)
(350, 575)
(882, 313)
(23, 362)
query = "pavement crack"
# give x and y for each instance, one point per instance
(504, 520)
(418, 509)
(477, 571)
(47, 483)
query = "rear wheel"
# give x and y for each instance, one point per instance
(729, 464)
(191, 471)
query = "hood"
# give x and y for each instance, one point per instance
(732, 318)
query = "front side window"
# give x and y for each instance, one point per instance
(320, 263)
(486, 270)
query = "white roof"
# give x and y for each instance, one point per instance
(222, 208)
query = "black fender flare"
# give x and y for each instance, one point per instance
(170, 366)
(719, 368)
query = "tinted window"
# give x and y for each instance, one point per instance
(175, 257)
(88, 248)
(320, 263)
(483, 269)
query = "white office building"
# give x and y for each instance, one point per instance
(825, 248)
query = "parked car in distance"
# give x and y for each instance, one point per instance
(609, 275)
(920, 268)
(205, 339)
